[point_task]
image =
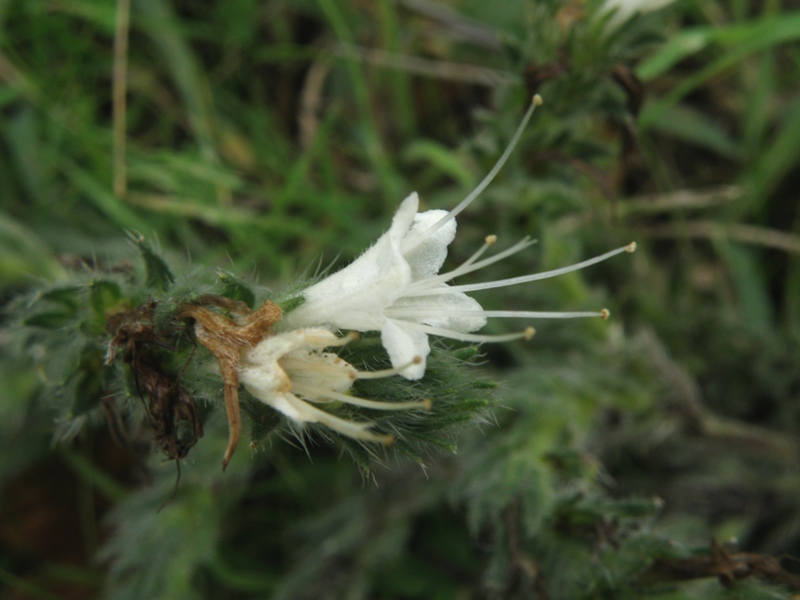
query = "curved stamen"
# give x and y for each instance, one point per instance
(311, 391)
(353, 429)
(474, 287)
(535, 101)
(468, 337)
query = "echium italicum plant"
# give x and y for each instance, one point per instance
(352, 356)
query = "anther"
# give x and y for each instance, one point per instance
(604, 314)
(427, 404)
(630, 247)
(528, 333)
(490, 239)
(537, 100)
(388, 440)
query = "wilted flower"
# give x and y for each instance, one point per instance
(395, 286)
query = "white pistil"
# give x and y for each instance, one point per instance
(535, 101)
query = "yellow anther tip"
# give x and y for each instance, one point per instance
(416, 360)
(630, 247)
(605, 313)
(427, 404)
(351, 336)
(388, 440)
(537, 100)
(529, 333)
(490, 239)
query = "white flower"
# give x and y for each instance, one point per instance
(289, 372)
(395, 286)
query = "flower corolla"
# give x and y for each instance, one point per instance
(395, 286)
(291, 373)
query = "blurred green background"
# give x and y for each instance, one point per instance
(267, 137)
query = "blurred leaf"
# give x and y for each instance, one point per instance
(440, 159)
(737, 41)
(23, 255)
(691, 126)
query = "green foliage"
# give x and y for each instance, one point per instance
(261, 138)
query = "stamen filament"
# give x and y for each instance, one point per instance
(469, 337)
(401, 313)
(419, 288)
(474, 287)
(536, 101)
(351, 336)
(311, 391)
(353, 429)
(387, 372)
(490, 240)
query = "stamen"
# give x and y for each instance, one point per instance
(469, 337)
(473, 287)
(535, 101)
(353, 429)
(490, 240)
(604, 314)
(421, 287)
(421, 313)
(311, 391)
(387, 372)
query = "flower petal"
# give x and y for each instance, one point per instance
(403, 346)
(425, 252)
(357, 296)
(438, 310)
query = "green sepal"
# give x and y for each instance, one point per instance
(235, 288)
(291, 304)
(157, 273)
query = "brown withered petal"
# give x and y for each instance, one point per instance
(226, 338)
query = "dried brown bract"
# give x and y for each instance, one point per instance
(169, 403)
(226, 338)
